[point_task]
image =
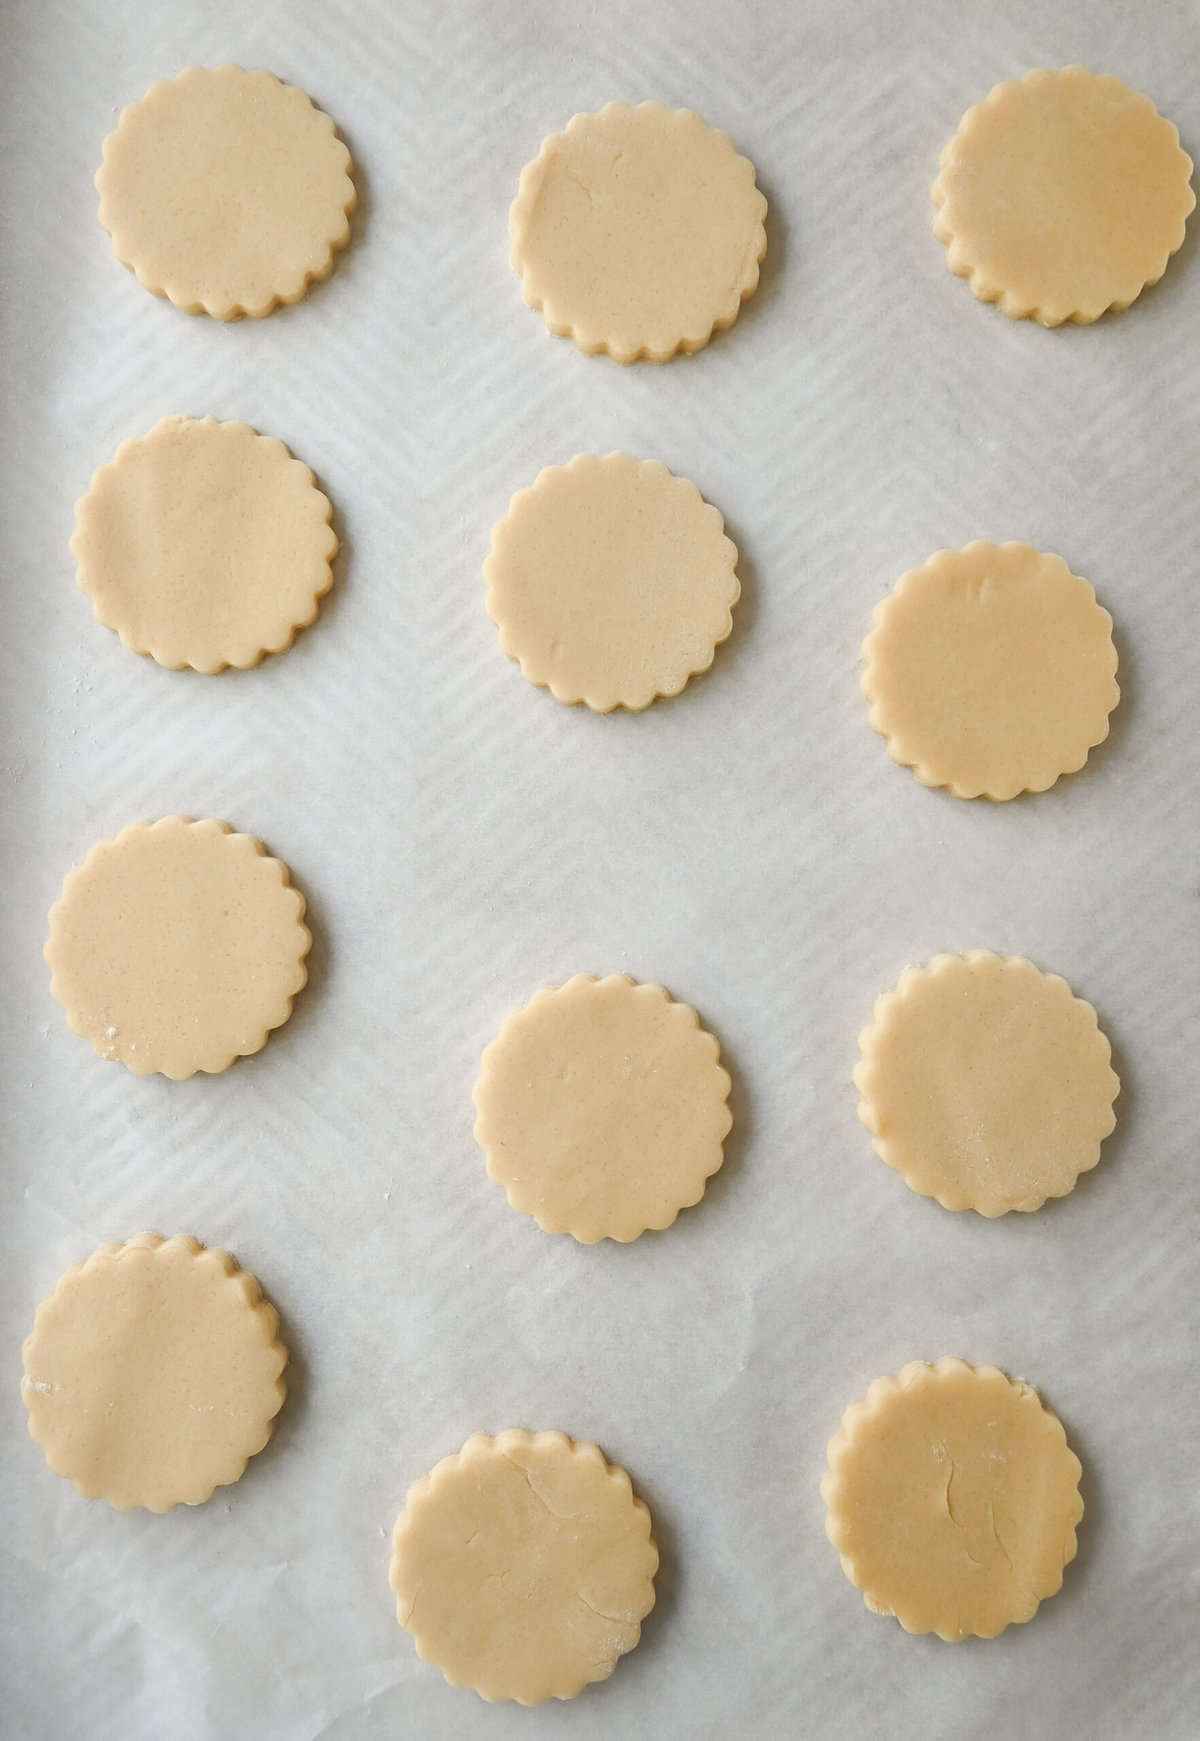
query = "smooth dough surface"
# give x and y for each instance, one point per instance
(638, 231)
(226, 191)
(953, 1498)
(177, 946)
(985, 1083)
(1062, 195)
(991, 670)
(611, 581)
(524, 1566)
(204, 545)
(153, 1373)
(603, 1108)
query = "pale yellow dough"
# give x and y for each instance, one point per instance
(1062, 195)
(638, 232)
(953, 1498)
(985, 1083)
(523, 1567)
(226, 191)
(611, 581)
(603, 1108)
(177, 946)
(153, 1373)
(204, 545)
(991, 671)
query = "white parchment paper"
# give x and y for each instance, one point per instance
(463, 839)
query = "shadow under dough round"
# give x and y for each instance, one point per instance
(226, 191)
(153, 1373)
(524, 1566)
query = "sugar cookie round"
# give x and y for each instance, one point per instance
(638, 232)
(153, 1373)
(524, 1566)
(1062, 195)
(603, 1108)
(953, 1498)
(204, 545)
(226, 191)
(986, 1083)
(991, 671)
(611, 581)
(178, 946)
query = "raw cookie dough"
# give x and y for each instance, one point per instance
(524, 1566)
(226, 191)
(603, 1108)
(204, 544)
(953, 1498)
(177, 946)
(991, 671)
(611, 581)
(985, 1083)
(153, 1373)
(638, 232)
(1062, 195)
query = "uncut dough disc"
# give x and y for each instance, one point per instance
(153, 1373)
(226, 191)
(603, 1108)
(178, 946)
(1062, 195)
(638, 232)
(991, 671)
(204, 545)
(523, 1567)
(953, 1498)
(986, 1083)
(611, 581)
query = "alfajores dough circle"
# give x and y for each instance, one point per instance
(226, 191)
(991, 670)
(153, 1373)
(986, 1083)
(524, 1566)
(953, 1499)
(1062, 195)
(602, 1108)
(611, 581)
(177, 946)
(204, 545)
(638, 231)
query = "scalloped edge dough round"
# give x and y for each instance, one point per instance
(162, 967)
(918, 1473)
(603, 258)
(1041, 221)
(176, 180)
(939, 670)
(986, 1083)
(153, 1373)
(607, 1144)
(523, 1566)
(611, 582)
(204, 545)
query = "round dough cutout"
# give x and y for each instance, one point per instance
(603, 1108)
(638, 232)
(953, 1499)
(986, 1083)
(991, 671)
(204, 545)
(524, 1566)
(611, 581)
(1062, 195)
(153, 1373)
(226, 191)
(177, 947)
